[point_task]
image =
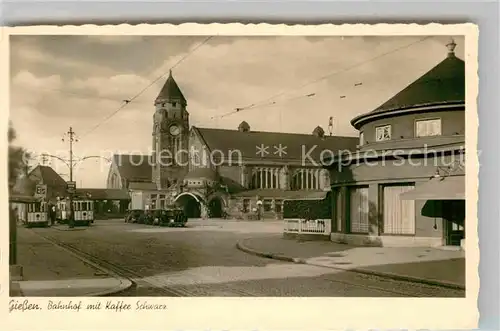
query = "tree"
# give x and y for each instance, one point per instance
(17, 158)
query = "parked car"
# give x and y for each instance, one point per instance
(133, 216)
(148, 217)
(171, 216)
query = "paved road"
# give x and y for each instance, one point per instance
(202, 261)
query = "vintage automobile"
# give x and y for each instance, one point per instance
(171, 216)
(133, 216)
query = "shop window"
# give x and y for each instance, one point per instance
(399, 215)
(383, 133)
(428, 127)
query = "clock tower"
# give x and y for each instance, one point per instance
(170, 136)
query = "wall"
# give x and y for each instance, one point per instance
(403, 126)
(196, 144)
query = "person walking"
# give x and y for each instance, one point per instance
(52, 214)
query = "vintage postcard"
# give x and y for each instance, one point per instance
(229, 176)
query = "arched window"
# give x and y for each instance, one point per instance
(265, 178)
(305, 179)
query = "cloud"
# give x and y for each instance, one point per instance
(80, 80)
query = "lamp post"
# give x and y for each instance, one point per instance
(71, 164)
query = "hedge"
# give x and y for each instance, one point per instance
(308, 209)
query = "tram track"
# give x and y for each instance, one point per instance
(206, 286)
(163, 285)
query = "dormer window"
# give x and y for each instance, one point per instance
(428, 127)
(383, 133)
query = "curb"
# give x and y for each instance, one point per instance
(124, 283)
(389, 275)
(60, 228)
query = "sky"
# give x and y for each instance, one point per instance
(58, 82)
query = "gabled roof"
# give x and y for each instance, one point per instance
(170, 92)
(259, 145)
(134, 167)
(103, 193)
(47, 175)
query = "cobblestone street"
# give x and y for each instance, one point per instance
(202, 260)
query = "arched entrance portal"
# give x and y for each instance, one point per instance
(216, 208)
(190, 203)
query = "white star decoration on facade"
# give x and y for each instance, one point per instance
(262, 150)
(280, 150)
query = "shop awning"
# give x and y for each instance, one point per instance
(445, 188)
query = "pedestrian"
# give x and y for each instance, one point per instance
(52, 213)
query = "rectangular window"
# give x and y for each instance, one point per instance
(428, 127)
(359, 210)
(361, 138)
(267, 205)
(383, 133)
(399, 215)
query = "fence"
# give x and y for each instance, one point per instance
(321, 226)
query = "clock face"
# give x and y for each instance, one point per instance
(174, 130)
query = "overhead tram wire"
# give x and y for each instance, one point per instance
(75, 94)
(128, 101)
(309, 95)
(267, 102)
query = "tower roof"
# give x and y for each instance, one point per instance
(170, 92)
(441, 85)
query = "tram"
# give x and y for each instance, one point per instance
(83, 210)
(38, 214)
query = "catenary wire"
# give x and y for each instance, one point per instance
(268, 101)
(128, 101)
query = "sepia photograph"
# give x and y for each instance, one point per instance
(237, 166)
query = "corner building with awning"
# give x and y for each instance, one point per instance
(405, 185)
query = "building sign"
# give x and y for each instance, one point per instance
(41, 191)
(71, 187)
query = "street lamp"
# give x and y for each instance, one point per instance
(71, 164)
(444, 171)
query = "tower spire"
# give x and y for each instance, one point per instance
(451, 47)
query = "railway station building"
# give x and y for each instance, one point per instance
(239, 173)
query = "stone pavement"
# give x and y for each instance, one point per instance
(418, 264)
(50, 270)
